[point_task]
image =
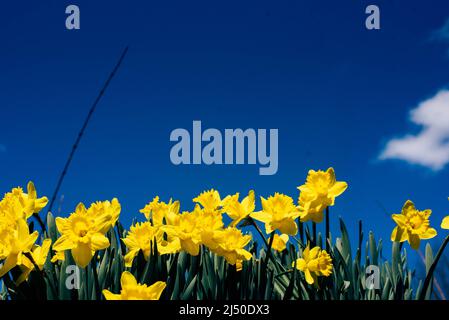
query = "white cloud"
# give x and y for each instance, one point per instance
(430, 147)
(442, 34)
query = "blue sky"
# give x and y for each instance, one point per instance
(337, 92)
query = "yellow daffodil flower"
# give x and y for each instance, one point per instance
(210, 200)
(158, 211)
(32, 200)
(230, 245)
(207, 224)
(39, 255)
(131, 290)
(13, 244)
(318, 193)
(82, 234)
(236, 210)
(314, 263)
(280, 242)
(99, 209)
(445, 222)
(187, 231)
(412, 225)
(140, 238)
(22, 205)
(278, 213)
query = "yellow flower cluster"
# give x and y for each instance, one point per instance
(172, 231)
(169, 230)
(17, 246)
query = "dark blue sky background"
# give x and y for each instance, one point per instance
(336, 92)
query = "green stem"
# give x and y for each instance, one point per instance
(39, 220)
(93, 265)
(267, 245)
(36, 267)
(41, 273)
(259, 231)
(269, 250)
(429, 275)
(86, 284)
(301, 230)
(314, 233)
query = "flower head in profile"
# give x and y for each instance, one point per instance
(231, 245)
(318, 193)
(238, 211)
(131, 290)
(99, 209)
(278, 213)
(82, 234)
(445, 222)
(412, 225)
(158, 211)
(207, 224)
(141, 237)
(280, 242)
(187, 231)
(39, 255)
(209, 200)
(22, 205)
(14, 244)
(314, 263)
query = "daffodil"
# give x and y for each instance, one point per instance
(22, 205)
(412, 225)
(209, 200)
(159, 211)
(445, 222)
(141, 237)
(207, 224)
(14, 243)
(238, 211)
(32, 200)
(99, 209)
(131, 290)
(280, 242)
(231, 245)
(278, 213)
(187, 231)
(39, 255)
(82, 234)
(318, 193)
(314, 263)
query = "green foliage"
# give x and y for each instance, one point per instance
(209, 277)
